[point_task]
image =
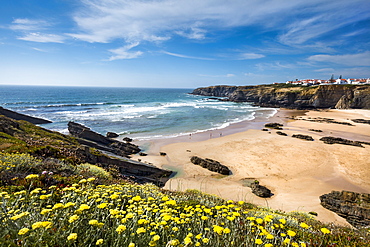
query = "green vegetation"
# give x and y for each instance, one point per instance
(81, 211)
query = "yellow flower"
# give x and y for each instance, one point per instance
(58, 205)
(258, 241)
(73, 218)
(187, 240)
(283, 221)
(156, 237)
(325, 230)
(32, 176)
(175, 229)
(90, 180)
(303, 245)
(94, 222)
(268, 245)
(23, 231)
(103, 205)
(99, 241)
(205, 240)
(131, 245)
(304, 225)
(45, 211)
(84, 207)
(41, 224)
(226, 230)
(140, 230)
(72, 236)
(218, 229)
(286, 241)
(270, 236)
(44, 197)
(82, 181)
(69, 204)
(121, 228)
(291, 233)
(259, 221)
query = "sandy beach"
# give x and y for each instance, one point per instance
(297, 171)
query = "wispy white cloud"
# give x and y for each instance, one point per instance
(186, 56)
(359, 59)
(106, 20)
(30, 30)
(275, 66)
(218, 76)
(124, 53)
(24, 24)
(43, 38)
(246, 56)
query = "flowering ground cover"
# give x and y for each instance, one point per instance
(92, 212)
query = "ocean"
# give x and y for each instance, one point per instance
(139, 113)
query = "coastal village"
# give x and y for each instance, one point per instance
(332, 81)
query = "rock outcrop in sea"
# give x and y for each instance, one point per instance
(354, 207)
(295, 97)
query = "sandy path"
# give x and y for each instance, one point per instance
(297, 171)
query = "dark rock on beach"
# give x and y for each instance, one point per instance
(281, 133)
(354, 207)
(303, 137)
(211, 165)
(18, 116)
(315, 130)
(90, 138)
(364, 121)
(127, 139)
(273, 125)
(338, 140)
(260, 190)
(112, 135)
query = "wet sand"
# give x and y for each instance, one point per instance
(297, 171)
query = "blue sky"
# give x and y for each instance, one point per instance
(181, 43)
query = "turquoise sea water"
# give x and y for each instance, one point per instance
(140, 113)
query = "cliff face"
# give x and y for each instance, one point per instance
(281, 95)
(354, 207)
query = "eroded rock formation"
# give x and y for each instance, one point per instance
(211, 165)
(354, 207)
(295, 97)
(90, 138)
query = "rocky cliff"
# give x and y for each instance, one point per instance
(295, 97)
(354, 207)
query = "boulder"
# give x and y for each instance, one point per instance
(354, 207)
(274, 125)
(281, 133)
(260, 190)
(127, 139)
(112, 135)
(211, 165)
(303, 137)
